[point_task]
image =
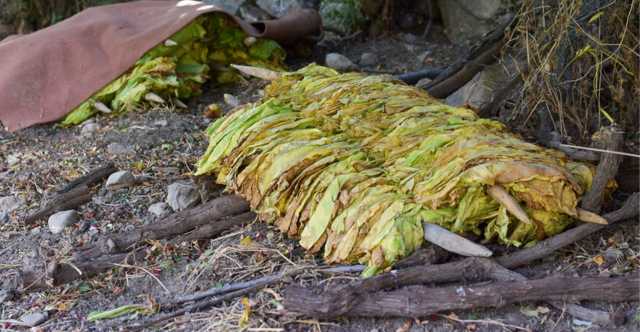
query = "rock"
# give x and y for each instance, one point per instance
(368, 59)
(89, 129)
(34, 318)
(341, 16)
(410, 38)
(182, 196)
(231, 100)
(422, 58)
(4, 217)
(230, 6)
(277, 8)
(479, 92)
(339, 62)
(467, 19)
(252, 13)
(9, 204)
(161, 123)
(60, 220)
(422, 84)
(160, 209)
(119, 149)
(120, 179)
(612, 256)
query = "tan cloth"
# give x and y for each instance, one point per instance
(46, 74)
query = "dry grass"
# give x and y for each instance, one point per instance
(581, 64)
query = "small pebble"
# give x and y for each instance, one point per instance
(34, 318)
(231, 100)
(9, 204)
(160, 209)
(182, 196)
(161, 123)
(339, 62)
(58, 221)
(120, 179)
(368, 59)
(89, 129)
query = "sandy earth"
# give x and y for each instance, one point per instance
(163, 145)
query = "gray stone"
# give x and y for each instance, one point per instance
(4, 217)
(160, 209)
(182, 196)
(230, 6)
(252, 13)
(89, 129)
(231, 100)
(481, 89)
(161, 123)
(339, 62)
(9, 204)
(60, 220)
(612, 255)
(118, 149)
(277, 8)
(368, 59)
(422, 83)
(120, 179)
(34, 318)
(467, 19)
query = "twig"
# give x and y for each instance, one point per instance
(544, 248)
(484, 321)
(600, 150)
(147, 272)
(90, 178)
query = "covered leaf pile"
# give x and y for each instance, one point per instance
(178, 67)
(353, 165)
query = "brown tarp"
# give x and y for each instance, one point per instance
(46, 74)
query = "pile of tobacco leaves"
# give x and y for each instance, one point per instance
(354, 165)
(177, 68)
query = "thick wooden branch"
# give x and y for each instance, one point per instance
(606, 171)
(421, 301)
(90, 178)
(65, 201)
(172, 225)
(544, 248)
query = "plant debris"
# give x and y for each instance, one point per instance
(177, 68)
(355, 164)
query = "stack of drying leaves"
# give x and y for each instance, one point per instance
(177, 68)
(355, 164)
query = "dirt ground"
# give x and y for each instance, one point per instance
(163, 145)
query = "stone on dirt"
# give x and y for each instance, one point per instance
(59, 221)
(368, 59)
(468, 19)
(120, 179)
(34, 318)
(89, 129)
(9, 204)
(482, 88)
(339, 62)
(160, 209)
(182, 196)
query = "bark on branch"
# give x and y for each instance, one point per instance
(420, 301)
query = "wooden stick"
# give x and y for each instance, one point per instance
(421, 301)
(607, 169)
(68, 200)
(172, 225)
(546, 247)
(90, 178)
